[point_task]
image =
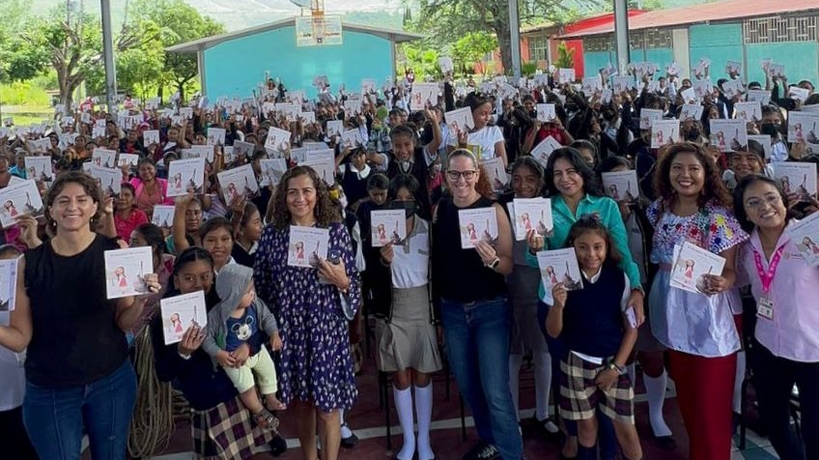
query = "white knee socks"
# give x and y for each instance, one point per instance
(403, 406)
(345, 430)
(423, 412)
(655, 394)
(740, 376)
(515, 361)
(543, 384)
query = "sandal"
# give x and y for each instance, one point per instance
(266, 420)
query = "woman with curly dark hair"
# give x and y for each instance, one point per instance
(313, 306)
(694, 205)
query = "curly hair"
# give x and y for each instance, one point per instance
(324, 210)
(713, 190)
(88, 183)
(482, 186)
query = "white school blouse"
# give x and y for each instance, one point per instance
(410, 261)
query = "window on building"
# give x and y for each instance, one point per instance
(538, 45)
(777, 29)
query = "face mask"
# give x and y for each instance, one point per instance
(768, 129)
(409, 207)
(693, 134)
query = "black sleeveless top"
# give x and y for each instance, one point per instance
(459, 274)
(75, 337)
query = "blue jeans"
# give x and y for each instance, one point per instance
(607, 439)
(477, 345)
(55, 417)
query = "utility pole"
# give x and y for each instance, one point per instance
(108, 56)
(621, 34)
(514, 29)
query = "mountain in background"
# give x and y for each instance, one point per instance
(241, 14)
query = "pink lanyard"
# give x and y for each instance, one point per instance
(767, 277)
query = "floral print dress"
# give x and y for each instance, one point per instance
(684, 321)
(316, 365)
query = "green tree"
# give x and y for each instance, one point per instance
(422, 60)
(177, 22)
(448, 20)
(472, 47)
(565, 56)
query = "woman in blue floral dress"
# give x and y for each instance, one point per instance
(312, 305)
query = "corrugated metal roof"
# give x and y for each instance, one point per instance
(398, 36)
(719, 11)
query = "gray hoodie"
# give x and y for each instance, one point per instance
(231, 285)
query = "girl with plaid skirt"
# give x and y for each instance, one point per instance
(598, 328)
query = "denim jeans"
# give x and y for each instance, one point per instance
(55, 417)
(606, 438)
(477, 345)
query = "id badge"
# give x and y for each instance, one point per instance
(765, 308)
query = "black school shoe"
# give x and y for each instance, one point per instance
(350, 441)
(482, 451)
(278, 445)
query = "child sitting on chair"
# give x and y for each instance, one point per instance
(240, 318)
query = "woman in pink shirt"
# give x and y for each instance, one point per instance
(127, 217)
(149, 190)
(785, 288)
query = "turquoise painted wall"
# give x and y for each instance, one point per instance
(595, 60)
(719, 42)
(236, 67)
(799, 59)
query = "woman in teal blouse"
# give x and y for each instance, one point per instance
(575, 191)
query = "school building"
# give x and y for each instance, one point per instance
(234, 64)
(738, 30)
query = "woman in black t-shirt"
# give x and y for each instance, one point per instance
(77, 371)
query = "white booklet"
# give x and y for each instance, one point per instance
(39, 169)
(691, 112)
(691, 264)
(216, 136)
(647, 117)
(763, 139)
(532, 214)
(130, 159)
(19, 198)
(185, 176)
(388, 226)
(150, 137)
(798, 179)
(495, 172)
(108, 179)
(559, 266)
(125, 271)
(480, 224)
(244, 149)
(307, 245)
(459, 120)
(621, 185)
(181, 312)
(199, 151)
(351, 138)
(423, 95)
(546, 113)
(748, 111)
(272, 171)
(278, 140)
(162, 216)
(623, 83)
(565, 76)
(324, 162)
(729, 135)
(8, 283)
(805, 235)
(334, 128)
(104, 157)
(803, 126)
(544, 149)
(664, 132)
(759, 95)
(238, 182)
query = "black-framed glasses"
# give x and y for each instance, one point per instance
(454, 175)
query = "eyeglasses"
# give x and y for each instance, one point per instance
(454, 175)
(770, 200)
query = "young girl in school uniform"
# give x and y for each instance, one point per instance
(593, 368)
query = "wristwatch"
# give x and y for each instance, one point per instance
(614, 366)
(494, 264)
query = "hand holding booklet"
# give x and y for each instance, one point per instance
(805, 235)
(180, 313)
(532, 214)
(125, 271)
(559, 266)
(691, 265)
(388, 226)
(306, 246)
(480, 224)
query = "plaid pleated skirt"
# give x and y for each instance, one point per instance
(581, 396)
(226, 432)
